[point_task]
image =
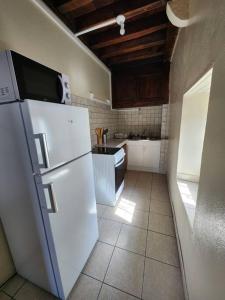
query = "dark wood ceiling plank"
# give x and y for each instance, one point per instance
(133, 49)
(86, 7)
(73, 5)
(139, 55)
(151, 38)
(66, 20)
(131, 36)
(130, 9)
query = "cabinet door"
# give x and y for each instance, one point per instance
(135, 155)
(151, 155)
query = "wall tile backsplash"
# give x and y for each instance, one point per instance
(150, 121)
(142, 121)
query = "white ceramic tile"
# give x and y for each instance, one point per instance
(161, 224)
(162, 282)
(109, 231)
(30, 291)
(161, 207)
(125, 272)
(133, 239)
(97, 263)
(110, 293)
(86, 288)
(163, 248)
(13, 285)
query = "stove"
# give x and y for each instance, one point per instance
(105, 150)
(109, 171)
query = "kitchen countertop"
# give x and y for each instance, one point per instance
(118, 143)
(114, 143)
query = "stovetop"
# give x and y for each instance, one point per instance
(105, 150)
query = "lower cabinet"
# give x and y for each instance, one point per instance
(143, 155)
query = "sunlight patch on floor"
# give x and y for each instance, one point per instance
(125, 209)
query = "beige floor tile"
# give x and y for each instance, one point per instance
(160, 194)
(141, 199)
(161, 224)
(112, 213)
(100, 210)
(30, 291)
(126, 272)
(159, 179)
(97, 264)
(13, 285)
(126, 212)
(86, 288)
(139, 219)
(109, 231)
(133, 239)
(109, 293)
(162, 247)
(161, 207)
(162, 282)
(4, 296)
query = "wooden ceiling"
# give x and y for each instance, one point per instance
(149, 36)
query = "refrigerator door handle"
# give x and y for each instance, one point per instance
(54, 207)
(44, 149)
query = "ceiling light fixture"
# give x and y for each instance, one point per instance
(120, 20)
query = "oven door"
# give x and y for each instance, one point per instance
(36, 81)
(120, 169)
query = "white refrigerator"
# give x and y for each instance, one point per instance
(47, 198)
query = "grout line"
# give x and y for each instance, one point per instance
(122, 290)
(12, 297)
(172, 236)
(142, 288)
(129, 224)
(162, 262)
(109, 263)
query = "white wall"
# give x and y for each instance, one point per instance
(25, 28)
(192, 133)
(199, 48)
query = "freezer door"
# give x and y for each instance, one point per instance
(56, 133)
(69, 211)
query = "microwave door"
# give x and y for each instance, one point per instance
(56, 133)
(34, 80)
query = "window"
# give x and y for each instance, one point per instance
(192, 133)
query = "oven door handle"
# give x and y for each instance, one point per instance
(120, 162)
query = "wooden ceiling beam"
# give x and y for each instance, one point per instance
(139, 55)
(128, 37)
(77, 8)
(138, 47)
(73, 5)
(128, 9)
(154, 37)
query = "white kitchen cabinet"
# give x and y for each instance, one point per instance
(135, 154)
(144, 155)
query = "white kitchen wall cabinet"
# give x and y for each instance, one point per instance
(144, 155)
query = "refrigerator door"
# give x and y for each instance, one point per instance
(56, 133)
(69, 211)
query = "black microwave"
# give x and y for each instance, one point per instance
(22, 78)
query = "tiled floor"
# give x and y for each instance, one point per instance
(136, 256)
